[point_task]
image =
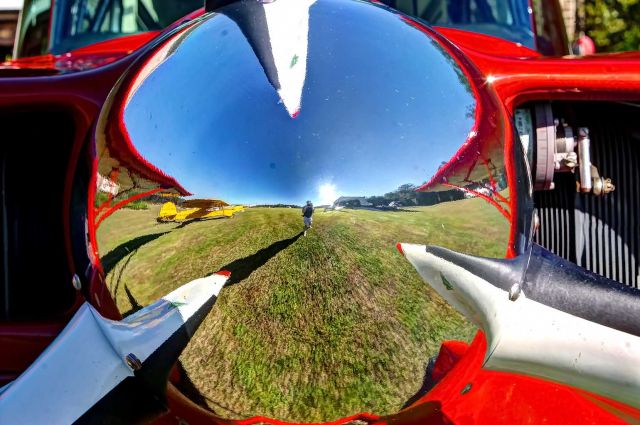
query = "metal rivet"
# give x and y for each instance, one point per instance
(76, 282)
(466, 389)
(514, 291)
(133, 362)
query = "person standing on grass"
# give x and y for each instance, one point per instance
(307, 216)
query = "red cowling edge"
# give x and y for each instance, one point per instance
(607, 77)
(472, 395)
(448, 356)
(489, 141)
(120, 145)
(493, 397)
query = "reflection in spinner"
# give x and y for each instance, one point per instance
(208, 154)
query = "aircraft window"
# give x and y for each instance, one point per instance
(440, 12)
(508, 19)
(78, 23)
(502, 11)
(551, 33)
(82, 22)
(33, 38)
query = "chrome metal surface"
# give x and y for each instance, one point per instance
(253, 111)
(340, 113)
(545, 145)
(600, 185)
(584, 159)
(76, 282)
(599, 232)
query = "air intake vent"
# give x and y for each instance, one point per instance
(599, 233)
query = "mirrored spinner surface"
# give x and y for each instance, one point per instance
(293, 144)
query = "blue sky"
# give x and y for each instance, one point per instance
(381, 106)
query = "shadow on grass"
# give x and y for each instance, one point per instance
(188, 222)
(194, 220)
(427, 385)
(111, 258)
(374, 209)
(403, 210)
(135, 306)
(116, 287)
(188, 388)
(242, 268)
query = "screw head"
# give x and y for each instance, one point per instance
(608, 186)
(514, 291)
(466, 389)
(133, 362)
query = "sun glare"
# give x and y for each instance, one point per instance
(327, 193)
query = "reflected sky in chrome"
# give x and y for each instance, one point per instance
(382, 105)
(367, 104)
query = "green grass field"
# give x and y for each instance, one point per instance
(309, 328)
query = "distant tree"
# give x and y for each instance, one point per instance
(407, 187)
(406, 193)
(277, 206)
(614, 25)
(391, 196)
(137, 205)
(427, 198)
(433, 198)
(353, 203)
(377, 200)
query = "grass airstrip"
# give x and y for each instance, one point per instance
(309, 328)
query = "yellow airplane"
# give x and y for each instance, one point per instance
(197, 209)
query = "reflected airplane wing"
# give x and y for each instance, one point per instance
(203, 203)
(96, 366)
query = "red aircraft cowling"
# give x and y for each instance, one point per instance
(466, 393)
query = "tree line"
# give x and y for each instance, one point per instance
(406, 195)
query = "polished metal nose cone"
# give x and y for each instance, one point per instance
(293, 144)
